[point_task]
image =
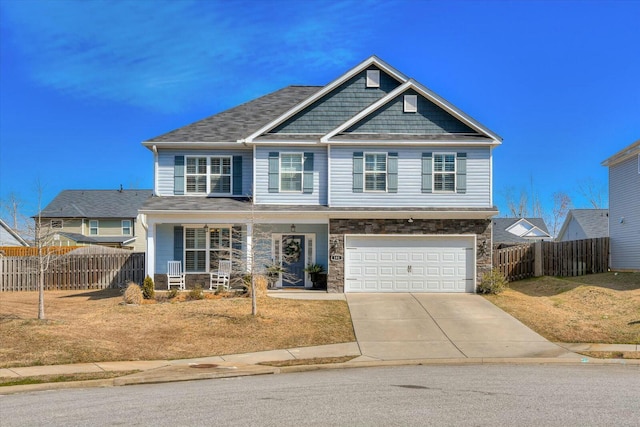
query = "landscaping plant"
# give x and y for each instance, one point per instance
(148, 291)
(133, 294)
(493, 282)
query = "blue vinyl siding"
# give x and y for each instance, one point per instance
(338, 106)
(166, 165)
(164, 247)
(410, 193)
(391, 118)
(318, 196)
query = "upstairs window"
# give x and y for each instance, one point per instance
(56, 223)
(220, 176)
(375, 172)
(291, 172)
(93, 227)
(196, 175)
(444, 172)
(126, 227)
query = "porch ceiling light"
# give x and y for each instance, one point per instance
(293, 228)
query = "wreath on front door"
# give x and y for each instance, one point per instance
(291, 251)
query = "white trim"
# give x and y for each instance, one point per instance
(373, 79)
(328, 176)
(454, 172)
(122, 227)
(155, 169)
(97, 227)
(410, 103)
(253, 178)
(373, 60)
(301, 173)
(364, 171)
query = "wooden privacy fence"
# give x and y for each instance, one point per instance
(72, 272)
(515, 262)
(33, 251)
(575, 258)
(562, 259)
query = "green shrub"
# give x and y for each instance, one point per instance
(133, 294)
(173, 292)
(148, 291)
(492, 282)
(196, 292)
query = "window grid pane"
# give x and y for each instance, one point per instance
(375, 172)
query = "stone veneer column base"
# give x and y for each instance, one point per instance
(339, 227)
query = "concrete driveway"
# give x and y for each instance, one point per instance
(441, 326)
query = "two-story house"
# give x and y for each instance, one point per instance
(97, 217)
(375, 177)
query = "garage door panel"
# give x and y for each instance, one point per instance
(409, 264)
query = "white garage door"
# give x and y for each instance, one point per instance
(409, 264)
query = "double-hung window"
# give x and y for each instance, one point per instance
(444, 172)
(375, 172)
(196, 175)
(126, 227)
(93, 227)
(204, 248)
(220, 175)
(291, 172)
(195, 249)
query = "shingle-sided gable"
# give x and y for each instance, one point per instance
(429, 119)
(339, 105)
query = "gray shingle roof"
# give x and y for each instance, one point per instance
(96, 204)
(594, 222)
(187, 203)
(501, 235)
(241, 121)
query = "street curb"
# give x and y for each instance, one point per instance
(138, 378)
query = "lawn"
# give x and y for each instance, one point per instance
(92, 326)
(598, 308)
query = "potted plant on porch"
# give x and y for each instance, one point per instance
(314, 270)
(273, 273)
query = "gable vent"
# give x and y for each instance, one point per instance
(410, 103)
(373, 78)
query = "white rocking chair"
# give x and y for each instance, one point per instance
(175, 276)
(221, 277)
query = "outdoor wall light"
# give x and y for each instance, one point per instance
(206, 228)
(621, 220)
(293, 228)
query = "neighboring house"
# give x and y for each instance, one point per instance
(9, 236)
(511, 231)
(624, 208)
(584, 224)
(373, 176)
(97, 217)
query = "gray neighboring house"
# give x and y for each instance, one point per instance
(624, 208)
(513, 231)
(10, 237)
(98, 217)
(584, 224)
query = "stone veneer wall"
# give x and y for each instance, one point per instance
(339, 227)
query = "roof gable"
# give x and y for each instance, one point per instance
(10, 237)
(624, 154)
(338, 105)
(515, 230)
(593, 222)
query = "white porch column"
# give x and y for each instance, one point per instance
(150, 256)
(249, 248)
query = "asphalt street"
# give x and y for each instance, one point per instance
(477, 395)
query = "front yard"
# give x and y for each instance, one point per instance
(598, 308)
(91, 326)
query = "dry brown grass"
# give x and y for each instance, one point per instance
(91, 326)
(600, 308)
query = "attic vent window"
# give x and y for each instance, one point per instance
(373, 78)
(56, 223)
(411, 103)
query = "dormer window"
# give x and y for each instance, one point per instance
(373, 78)
(410, 103)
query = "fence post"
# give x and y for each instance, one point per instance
(537, 259)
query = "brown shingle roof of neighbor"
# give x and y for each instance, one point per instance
(241, 121)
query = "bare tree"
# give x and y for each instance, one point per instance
(12, 207)
(561, 206)
(595, 193)
(517, 206)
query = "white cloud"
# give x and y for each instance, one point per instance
(163, 55)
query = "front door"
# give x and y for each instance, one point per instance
(293, 260)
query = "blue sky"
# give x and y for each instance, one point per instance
(82, 83)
